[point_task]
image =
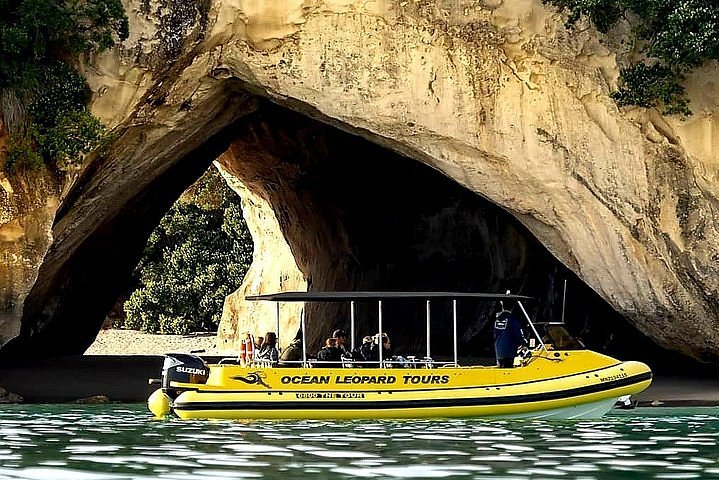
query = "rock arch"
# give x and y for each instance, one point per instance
(498, 99)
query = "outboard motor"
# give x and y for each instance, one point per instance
(185, 368)
(178, 367)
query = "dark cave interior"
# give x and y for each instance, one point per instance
(358, 216)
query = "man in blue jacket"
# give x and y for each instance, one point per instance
(508, 337)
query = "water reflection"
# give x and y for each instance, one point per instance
(106, 442)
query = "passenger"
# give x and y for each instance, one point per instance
(258, 343)
(341, 338)
(362, 352)
(247, 348)
(386, 348)
(330, 353)
(293, 351)
(268, 351)
(508, 337)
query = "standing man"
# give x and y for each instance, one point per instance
(508, 337)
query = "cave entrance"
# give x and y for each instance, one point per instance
(355, 216)
(197, 255)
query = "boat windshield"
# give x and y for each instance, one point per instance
(560, 338)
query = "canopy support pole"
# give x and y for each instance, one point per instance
(304, 344)
(454, 325)
(381, 343)
(534, 330)
(277, 331)
(428, 317)
(352, 323)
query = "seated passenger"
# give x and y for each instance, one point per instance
(268, 351)
(363, 351)
(386, 348)
(341, 337)
(330, 353)
(293, 351)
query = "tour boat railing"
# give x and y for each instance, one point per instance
(534, 330)
(379, 297)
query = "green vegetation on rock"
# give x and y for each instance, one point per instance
(198, 254)
(675, 37)
(43, 97)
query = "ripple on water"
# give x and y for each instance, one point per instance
(63, 473)
(512, 448)
(417, 471)
(135, 459)
(103, 442)
(340, 454)
(223, 474)
(253, 449)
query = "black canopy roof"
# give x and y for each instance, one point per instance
(349, 296)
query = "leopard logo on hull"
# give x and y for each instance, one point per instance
(253, 378)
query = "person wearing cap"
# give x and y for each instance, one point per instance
(341, 338)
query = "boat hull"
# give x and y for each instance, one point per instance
(544, 391)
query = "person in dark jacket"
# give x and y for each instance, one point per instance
(341, 338)
(292, 352)
(363, 351)
(508, 337)
(330, 353)
(386, 348)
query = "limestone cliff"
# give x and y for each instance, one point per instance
(28, 202)
(497, 96)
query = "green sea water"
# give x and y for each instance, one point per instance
(123, 441)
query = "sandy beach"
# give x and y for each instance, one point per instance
(133, 342)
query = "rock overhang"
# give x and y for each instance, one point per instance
(504, 103)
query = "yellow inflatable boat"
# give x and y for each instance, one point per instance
(558, 378)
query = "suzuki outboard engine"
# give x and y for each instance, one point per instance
(185, 368)
(178, 367)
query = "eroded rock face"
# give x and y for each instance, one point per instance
(27, 206)
(106, 219)
(495, 95)
(273, 268)
(507, 103)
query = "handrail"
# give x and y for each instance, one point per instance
(338, 296)
(345, 363)
(536, 334)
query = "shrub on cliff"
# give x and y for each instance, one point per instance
(198, 254)
(675, 37)
(43, 97)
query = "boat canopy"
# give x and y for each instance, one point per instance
(379, 297)
(350, 296)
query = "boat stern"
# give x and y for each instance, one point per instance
(180, 372)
